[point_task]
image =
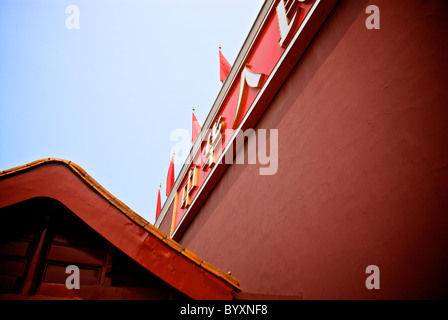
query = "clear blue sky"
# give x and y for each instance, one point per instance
(108, 96)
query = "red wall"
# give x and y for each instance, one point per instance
(363, 167)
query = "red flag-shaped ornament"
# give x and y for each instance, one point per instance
(170, 177)
(159, 205)
(224, 67)
(196, 128)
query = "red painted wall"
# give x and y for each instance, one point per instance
(363, 167)
(262, 59)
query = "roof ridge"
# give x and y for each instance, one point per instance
(133, 216)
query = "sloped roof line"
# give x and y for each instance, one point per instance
(128, 212)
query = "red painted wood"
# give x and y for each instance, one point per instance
(57, 181)
(55, 273)
(30, 277)
(80, 255)
(66, 241)
(17, 248)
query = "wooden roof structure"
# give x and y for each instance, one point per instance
(69, 184)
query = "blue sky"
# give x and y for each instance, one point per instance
(109, 95)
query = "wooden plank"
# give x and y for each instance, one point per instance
(12, 267)
(14, 248)
(55, 273)
(76, 255)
